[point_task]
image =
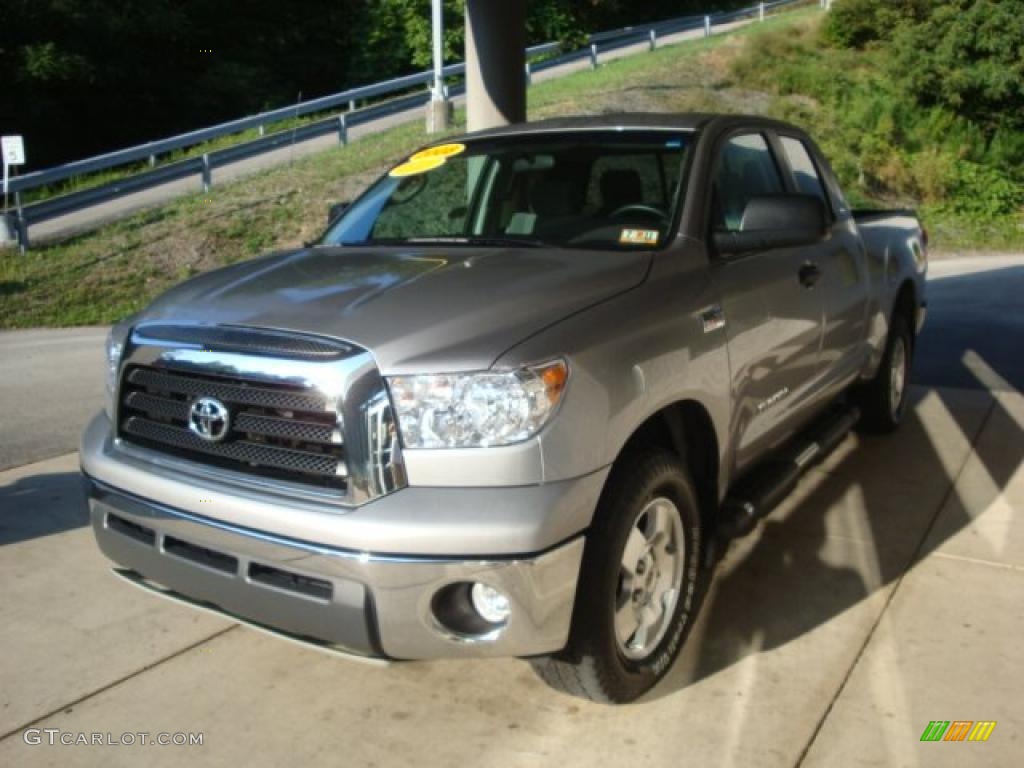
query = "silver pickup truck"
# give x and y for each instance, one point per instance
(514, 400)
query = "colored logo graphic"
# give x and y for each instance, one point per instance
(958, 730)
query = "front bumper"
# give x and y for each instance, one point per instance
(352, 601)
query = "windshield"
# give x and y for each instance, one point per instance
(605, 190)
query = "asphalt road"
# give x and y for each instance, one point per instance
(51, 384)
(974, 335)
(52, 380)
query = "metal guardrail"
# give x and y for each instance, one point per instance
(339, 123)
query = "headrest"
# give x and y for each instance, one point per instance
(621, 187)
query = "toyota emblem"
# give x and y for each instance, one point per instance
(209, 419)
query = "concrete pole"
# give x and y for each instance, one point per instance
(495, 62)
(8, 229)
(437, 14)
(437, 109)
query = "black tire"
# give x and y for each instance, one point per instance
(881, 410)
(593, 665)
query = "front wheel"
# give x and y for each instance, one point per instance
(639, 585)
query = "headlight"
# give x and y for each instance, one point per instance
(477, 410)
(114, 347)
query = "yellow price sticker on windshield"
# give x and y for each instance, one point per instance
(639, 237)
(413, 167)
(441, 150)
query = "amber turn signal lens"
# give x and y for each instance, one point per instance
(554, 375)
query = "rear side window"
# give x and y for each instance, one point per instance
(745, 169)
(807, 179)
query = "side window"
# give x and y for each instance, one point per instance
(745, 169)
(807, 179)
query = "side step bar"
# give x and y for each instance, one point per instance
(754, 496)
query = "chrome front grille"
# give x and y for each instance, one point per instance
(307, 417)
(277, 431)
(226, 390)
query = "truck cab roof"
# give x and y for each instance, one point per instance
(634, 121)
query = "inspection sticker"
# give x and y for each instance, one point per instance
(441, 150)
(639, 236)
(413, 166)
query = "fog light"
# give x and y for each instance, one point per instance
(491, 604)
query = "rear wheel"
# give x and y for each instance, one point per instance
(639, 585)
(883, 400)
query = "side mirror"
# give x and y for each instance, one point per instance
(775, 221)
(334, 210)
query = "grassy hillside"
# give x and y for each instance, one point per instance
(102, 276)
(887, 148)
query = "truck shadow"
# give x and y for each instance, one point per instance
(41, 505)
(875, 507)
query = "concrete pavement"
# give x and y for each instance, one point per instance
(884, 593)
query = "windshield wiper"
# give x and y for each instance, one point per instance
(487, 240)
(495, 241)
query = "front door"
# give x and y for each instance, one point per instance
(773, 314)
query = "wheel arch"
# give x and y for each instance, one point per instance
(684, 428)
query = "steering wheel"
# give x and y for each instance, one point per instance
(639, 208)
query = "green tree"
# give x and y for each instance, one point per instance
(968, 56)
(857, 23)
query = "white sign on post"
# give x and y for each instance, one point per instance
(13, 150)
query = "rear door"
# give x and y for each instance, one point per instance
(773, 317)
(844, 284)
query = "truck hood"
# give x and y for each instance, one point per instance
(425, 310)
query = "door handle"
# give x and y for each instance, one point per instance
(809, 274)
